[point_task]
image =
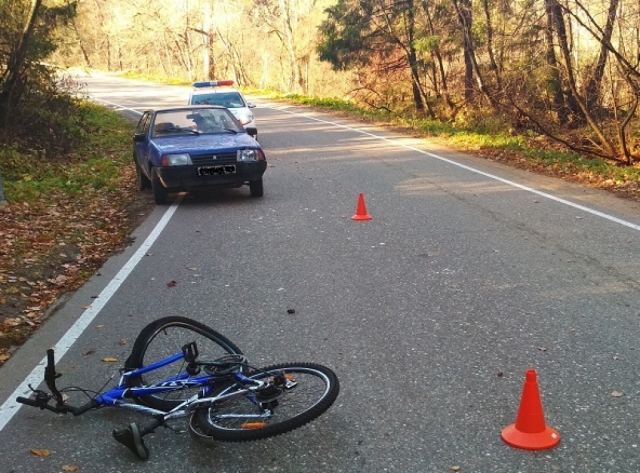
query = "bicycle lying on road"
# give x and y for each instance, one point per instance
(206, 379)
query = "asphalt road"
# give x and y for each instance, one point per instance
(469, 274)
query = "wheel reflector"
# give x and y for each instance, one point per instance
(254, 425)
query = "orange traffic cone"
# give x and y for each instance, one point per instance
(530, 431)
(361, 210)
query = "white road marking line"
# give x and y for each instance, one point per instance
(474, 170)
(117, 106)
(10, 406)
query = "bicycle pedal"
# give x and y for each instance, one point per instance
(131, 438)
(290, 384)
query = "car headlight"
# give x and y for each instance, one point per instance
(244, 119)
(176, 159)
(249, 155)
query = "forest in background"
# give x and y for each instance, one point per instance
(528, 80)
(567, 69)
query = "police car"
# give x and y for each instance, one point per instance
(218, 92)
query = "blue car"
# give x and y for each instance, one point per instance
(197, 147)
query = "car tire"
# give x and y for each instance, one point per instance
(256, 188)
(160, 193)
(143, 181)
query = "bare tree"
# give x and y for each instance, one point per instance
(567, 68)
(594, 84)
(15, 69)
(376, 35)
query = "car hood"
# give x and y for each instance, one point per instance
(204, 143)
(239, 111)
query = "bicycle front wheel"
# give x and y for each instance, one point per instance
(164, 338)
(309, 390)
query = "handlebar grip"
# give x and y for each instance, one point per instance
(27, 401)
(34, 403)
(50, 359)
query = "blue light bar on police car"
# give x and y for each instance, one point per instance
(212, 83)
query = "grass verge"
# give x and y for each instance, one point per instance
(490, 138)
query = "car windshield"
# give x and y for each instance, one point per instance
(224, 99)
(194, 121)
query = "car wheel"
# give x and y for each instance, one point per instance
(160, 193)
(143, 181)
(256, 188)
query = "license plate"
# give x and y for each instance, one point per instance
(217, 170)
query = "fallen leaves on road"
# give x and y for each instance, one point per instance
(54, 245)
(40, 452)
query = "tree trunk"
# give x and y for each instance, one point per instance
(577, 104)
(207, 63)
(438, 68)
(554, 82)
(15, 67)
(289, 22)
(413, 60)
(592, 90)
(557, 21)
(492, 59)
(463, 11)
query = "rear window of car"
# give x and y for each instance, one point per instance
(225, 99)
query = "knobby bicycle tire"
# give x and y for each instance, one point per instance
(163, 338)
(227, 420)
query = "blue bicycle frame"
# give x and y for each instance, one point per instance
(119, 395)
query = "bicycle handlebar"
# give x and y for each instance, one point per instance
(61, 409)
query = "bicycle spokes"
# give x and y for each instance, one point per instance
(291, 395)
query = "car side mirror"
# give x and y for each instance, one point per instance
(138, 137)
(251, 105)
(251, 130)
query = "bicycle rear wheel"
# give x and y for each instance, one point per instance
(309, 391)
(166, 337)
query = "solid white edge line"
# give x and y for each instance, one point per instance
(117, 106)
(477, 171)
(10, 406)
